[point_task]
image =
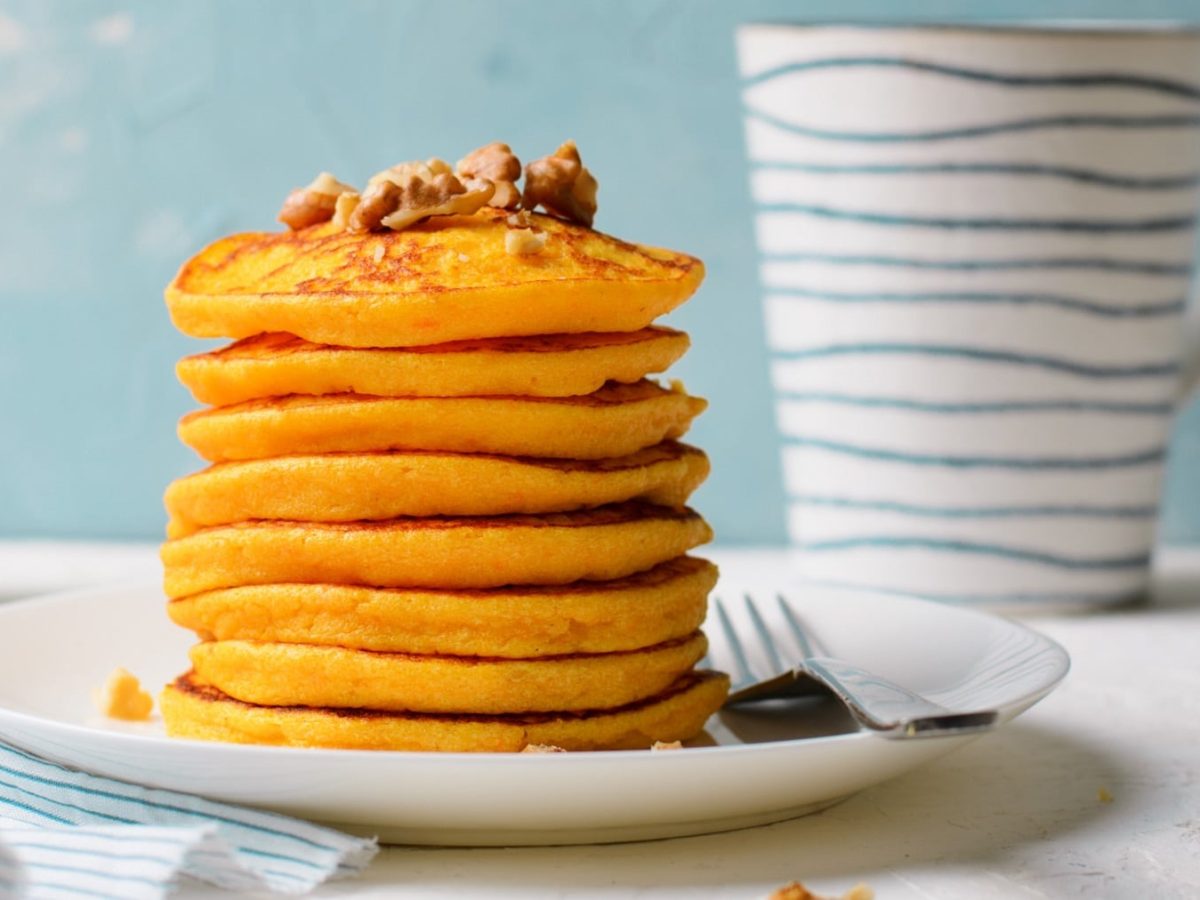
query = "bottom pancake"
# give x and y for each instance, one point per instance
(194, 710)
(666, 602)
(272, 674)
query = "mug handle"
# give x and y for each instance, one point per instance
(1190, 364)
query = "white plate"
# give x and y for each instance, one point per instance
(767, 765)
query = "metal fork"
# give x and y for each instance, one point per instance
(880, 705)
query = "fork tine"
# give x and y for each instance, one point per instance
(764, 636)
(745, 676)
(807, 644)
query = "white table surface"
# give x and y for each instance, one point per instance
(1016, 814)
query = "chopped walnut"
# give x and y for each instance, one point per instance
(562, 186)
(542, 748)
(524, 242)
(445, 195)
(667, 745)
(407, 193)
(378, 200)
(400, 172)
(494, 162)
(346, 204)
(314, 203)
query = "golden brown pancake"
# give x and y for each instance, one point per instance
(446, 279)
(348, 487)
(194, 710)
(616, 420)
(485, 552)
(560, 365)
(270, 674)
(664, 603)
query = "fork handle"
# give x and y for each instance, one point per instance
(887, 708)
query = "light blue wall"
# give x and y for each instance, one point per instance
(133, 133)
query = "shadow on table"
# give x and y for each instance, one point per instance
(1022, 785)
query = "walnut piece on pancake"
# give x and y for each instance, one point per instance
(314, 203)
(405, 194)
(524, 241)
(122, 697)
(401, 172)
(346, 204)
(494, 162)
(562, 185)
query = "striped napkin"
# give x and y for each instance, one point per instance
(69, 834)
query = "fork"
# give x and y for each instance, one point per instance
(881, 706)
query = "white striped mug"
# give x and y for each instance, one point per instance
(976, 246)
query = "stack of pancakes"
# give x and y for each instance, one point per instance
(445, 509)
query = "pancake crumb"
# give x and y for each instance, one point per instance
(667, 745)
(794, 890)
(122, 697)
(542, 748)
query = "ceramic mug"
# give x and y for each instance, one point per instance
(976, 246)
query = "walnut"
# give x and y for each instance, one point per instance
(409, 192)
(524, 242)
(562, 186)
(667, 745)
(496, 163)
(400, 172)
(346, 204)
(444, 195)
(542, 748)
(378, 200)
(314, 203)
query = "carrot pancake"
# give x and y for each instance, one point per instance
(347, 487)
(616, 420)
(485, 552)
(662, 604)
(271, 674)
(192, 709)
(558, 365)
(446, 279)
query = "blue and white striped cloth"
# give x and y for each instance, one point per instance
(67, 834)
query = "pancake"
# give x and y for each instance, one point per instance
(667, 602)
(616, 420)
(485, 552)
(561, 365)
(446, 279)
(271, 674)
(194, 710)
(347, 487)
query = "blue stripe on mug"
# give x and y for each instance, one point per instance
(1082, 263)
(1013, 126)
(1067, 511)
(1150, 456)
(1120, 180)
(989, 355)
(1136, 309)
(1037, 557)
(1114, 407)
(1164, 86)
(990, 223)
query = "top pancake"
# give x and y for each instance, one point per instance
(446, 279)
